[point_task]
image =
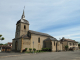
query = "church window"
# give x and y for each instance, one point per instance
(54, 43)
(38, 40)
(24, 27)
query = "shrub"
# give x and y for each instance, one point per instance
(46, 49)
(30, 49)
(39, 50)
(34, 49)
(66, 47)
(26, 49)
(43, 49)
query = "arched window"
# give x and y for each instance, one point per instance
(54, 43)
(24, 27)
(38, 40)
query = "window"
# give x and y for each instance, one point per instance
(73, 43)
(38, 40)
(29, 34)
(24, 27)
(54, 43)
(70, 44)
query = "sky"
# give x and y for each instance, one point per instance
(58, 18)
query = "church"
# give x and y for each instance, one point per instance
(25, 38)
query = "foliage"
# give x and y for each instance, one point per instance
(66, 47)
(1, 38)
(78, 44)
(1, 44)
(46, 49)
(30, 49)
(0, 35)
(26, 49)
(6, 44)
(34, 49)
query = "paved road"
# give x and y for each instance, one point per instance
(45, 56)
(9, 53)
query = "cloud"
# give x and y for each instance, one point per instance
(56, 17)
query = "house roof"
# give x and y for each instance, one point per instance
(39, 33)
(4, 46)
(53, 39)
(9, 42)
(69, 40)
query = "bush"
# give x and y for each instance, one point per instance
(39, 50)
(34, 49)
(66, 47)
(46, 49)
(30, 49)
(26, 49)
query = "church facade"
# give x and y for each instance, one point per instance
(25, 38)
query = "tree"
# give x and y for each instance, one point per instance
(1, 38)
(1, 44)
(78, 43)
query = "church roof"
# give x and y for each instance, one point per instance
(53, 39)
(23, 20)
(39, 33)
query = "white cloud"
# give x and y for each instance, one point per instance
(41, 14)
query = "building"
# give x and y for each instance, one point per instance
(10, 44)
(6, 48)
(25, 38)
(72, 44)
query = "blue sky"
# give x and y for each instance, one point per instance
(59, 18)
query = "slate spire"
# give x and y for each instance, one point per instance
(23, 16)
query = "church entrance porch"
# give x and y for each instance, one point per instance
(48, 44)
(52, 44)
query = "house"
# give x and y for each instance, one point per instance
(25, 38)
(7, 47)
(72, 44)
(10, 44)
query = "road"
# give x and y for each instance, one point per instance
(70, 55)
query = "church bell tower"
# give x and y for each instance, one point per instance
(22, 26)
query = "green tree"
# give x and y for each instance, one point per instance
(1, 38)
(1, 44)
(79, 44)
